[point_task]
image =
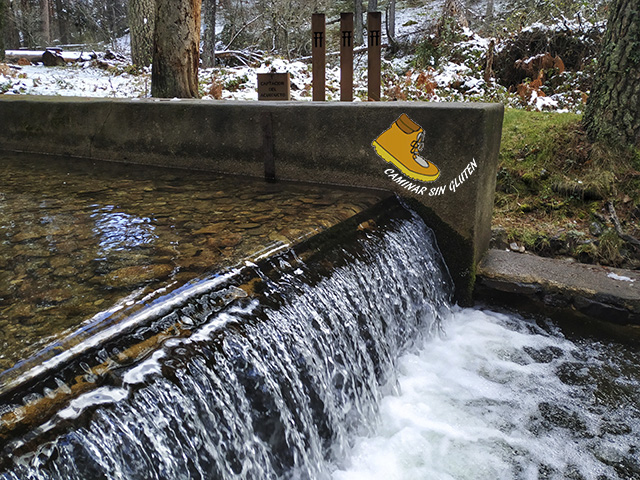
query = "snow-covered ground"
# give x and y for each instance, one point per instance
(460, 78)
(449, 82)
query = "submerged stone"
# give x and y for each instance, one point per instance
(137, 275)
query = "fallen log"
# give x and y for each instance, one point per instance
(36, 56)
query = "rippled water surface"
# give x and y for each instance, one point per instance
(78, 237)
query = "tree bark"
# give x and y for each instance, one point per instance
(391, 22)
(372, 5)
(11, 36)
(612, 114)
(45, 16)
(4, 10)
(141, 24)
(209, 43)
(61, 20)
(357, 23)
(176, 49)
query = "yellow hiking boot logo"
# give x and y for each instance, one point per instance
(401, 144)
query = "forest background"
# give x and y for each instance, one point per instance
(560, 190)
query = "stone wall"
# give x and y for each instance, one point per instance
(317, 142)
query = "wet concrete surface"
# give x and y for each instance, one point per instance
(602, 293)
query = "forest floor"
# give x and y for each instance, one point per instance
(557, 195)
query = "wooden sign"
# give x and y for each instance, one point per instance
(346, 57)
(274, 86)
(318, 54)
(374, 24)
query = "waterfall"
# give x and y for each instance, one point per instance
(275, 387)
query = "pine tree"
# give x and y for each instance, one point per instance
(176, 49)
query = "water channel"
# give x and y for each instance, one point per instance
(82, 240)
(349, 363)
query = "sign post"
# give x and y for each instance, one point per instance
(374, 24)
(346, 57)
(274, 86)
(318, 53)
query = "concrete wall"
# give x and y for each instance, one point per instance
(312, 142)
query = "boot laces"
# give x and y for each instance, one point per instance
(416, 146)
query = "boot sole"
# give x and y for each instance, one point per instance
(387, 157)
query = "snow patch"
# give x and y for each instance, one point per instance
(621, 278)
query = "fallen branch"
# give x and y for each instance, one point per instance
(245, 56)
(335, 54)
(241, 30)
(616, 223)
(36, 55)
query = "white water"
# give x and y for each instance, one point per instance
(499, 397)
(346, 376)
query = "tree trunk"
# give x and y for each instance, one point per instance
(4, 10)
(612, 114)
(11, 35)
(45, 15)
(209, 43)
(372, 5)
(10, 31)
(357, 23)
(141, 24)
(62, 19)
(176, 49)
(391, 23)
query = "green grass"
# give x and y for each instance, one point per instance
(553, 186)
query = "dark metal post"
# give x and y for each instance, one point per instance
(346, 57)
(318, 52)
(374, 27)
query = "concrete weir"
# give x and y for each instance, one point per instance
(328, 143)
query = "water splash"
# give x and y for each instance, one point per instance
(275, 389)
(506, 398)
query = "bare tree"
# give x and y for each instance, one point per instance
(454, 10)
(4, 10)
(11, 35)
(176, 49)
(62, 20)
(488, 16)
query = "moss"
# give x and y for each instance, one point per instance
(551, 179)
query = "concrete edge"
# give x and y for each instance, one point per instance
(556, 286)
(316, 142)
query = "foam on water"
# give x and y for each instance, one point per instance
(262, 390)
(344, 372)
(499, 397)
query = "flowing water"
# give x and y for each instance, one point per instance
(502, 397)
(80, 240)
(366, 372)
